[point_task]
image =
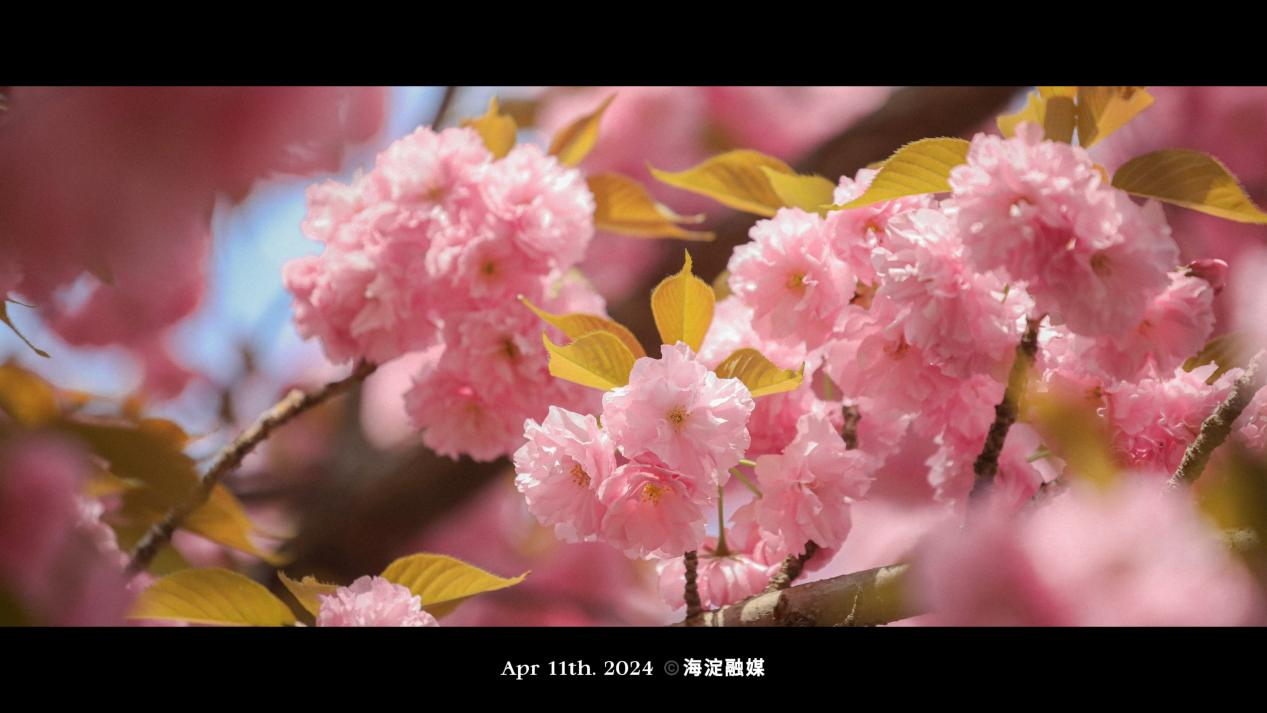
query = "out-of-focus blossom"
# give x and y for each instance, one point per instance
(1134, 556)
(119, 183)
(57, 560)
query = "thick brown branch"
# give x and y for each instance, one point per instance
(230, 457)
(691, 594)
(866, 598)
(1005, 413)
(1218, 425)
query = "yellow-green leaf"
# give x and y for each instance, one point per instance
(4, 317)
(1072, 431)
(497, 129)
(919, 167)
(442, 582)
(211, 596)
(1103, 110)
(1190, 179)
(307, 591)
(1049, 92)
(1031, 112)
(1228, 351)
(1052, 108)
(734, 179)
(166, 474)
(759, 374)
(812, 194)
(221, 519)
(721, 285)
(1059, 119)
(577, 325)
(622, 205)
(682, 305)
(25, 397)
(574, 142)
(598, 359)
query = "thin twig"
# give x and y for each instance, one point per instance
(791, 569)
(691, 594)
(849, 431)
(230, 457)
(442, 109)
(1218, 426)
(1005, 413)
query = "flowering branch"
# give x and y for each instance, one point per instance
(1005, 413)
(866, 598)
(230, 457)
(1218, 426)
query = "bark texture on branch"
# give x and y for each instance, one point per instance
(1005, 413)
(230, 457)
(791, 569)
(691, 593)
(1218, 425)
(866, 598)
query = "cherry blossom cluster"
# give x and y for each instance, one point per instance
(914, 307)
(907, 315)
(429, 253)
(647, 479)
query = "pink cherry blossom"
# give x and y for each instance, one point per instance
(964, 321)
(560, 468)
(790, 277)
(1037, 209)
(855, 233)
(677, 409)
(653, 510)
(1154, 419)
(546, 206)
(807, 490)
(1135, 556)
(1176, 325)
(872, 359)
(373, 601)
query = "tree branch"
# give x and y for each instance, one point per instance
(691, 594)
(1218, 426)
(230, 457)
(866, 598)
(791, 569)
(1005, 413)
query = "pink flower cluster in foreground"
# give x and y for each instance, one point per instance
(119, 183)
(1135, 555)
(59, 564)
(373, 601)
(428, 253)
